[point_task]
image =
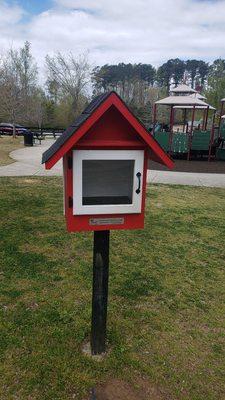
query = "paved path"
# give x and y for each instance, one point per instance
(28, 162)
(186, 178)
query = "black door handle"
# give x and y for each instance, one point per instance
(138, 175)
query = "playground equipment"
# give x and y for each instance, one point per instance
(190, 140)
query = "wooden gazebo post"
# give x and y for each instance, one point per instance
(212, 136)
(171, 128)
(203, 121)
(206, 118)
(154, 119)
(191, 133)
(185, 117)
(220, 120)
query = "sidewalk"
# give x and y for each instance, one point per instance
(28, 163)
(186, 178)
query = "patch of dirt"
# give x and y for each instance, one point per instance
(201, 166)
(29, 180)
(117, 389)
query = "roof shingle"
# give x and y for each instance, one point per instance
(92, 106)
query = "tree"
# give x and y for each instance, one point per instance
(18, 79)
(217, 68)
(197, 70)
(216, 83)
(69, 76)
(171, 71)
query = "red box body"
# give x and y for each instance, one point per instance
(105, 125)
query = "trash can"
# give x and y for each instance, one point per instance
(28, 138)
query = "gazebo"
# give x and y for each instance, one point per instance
(190, 101)
(199, 96)
(185, 103)
(182, 89)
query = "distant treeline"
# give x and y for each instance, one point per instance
(118, 77)
(70, 83)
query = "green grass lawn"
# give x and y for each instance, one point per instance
(8, 144)
(166, 296)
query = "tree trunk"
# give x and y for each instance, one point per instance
(14, 131)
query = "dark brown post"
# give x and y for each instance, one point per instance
(203, 119)
(185, 117)
(212, 136)
(206, 118)
(100, 291)
(154, 119)
(220, 120)
(171, 129)
(171, 118)
(191, 133)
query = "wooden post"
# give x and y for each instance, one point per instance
(220, 120)
(191, 133)
(206, 118)
(154, 119)
(171, 129)
(212, 136)
(171, 118)
(100, 291)
(185, 117)
(203, 119)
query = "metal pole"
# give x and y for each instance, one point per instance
(220, 120)
(206, 118)
(100, 291)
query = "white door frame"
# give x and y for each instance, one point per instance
(80, 155)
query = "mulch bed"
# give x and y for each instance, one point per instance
(214, 167)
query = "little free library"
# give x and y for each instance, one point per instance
(105, 156)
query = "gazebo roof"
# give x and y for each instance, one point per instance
(197, 107)
(223, 99)
(199, 96)
(181, 101)
(182, 88)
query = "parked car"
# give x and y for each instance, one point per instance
(7, 129)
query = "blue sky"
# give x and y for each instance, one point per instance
(113, 31)
(33, 6)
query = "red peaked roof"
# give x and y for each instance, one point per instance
(89, 116)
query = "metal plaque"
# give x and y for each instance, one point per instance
(106, 221)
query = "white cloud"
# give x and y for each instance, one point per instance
(10, 31)
(149, 31)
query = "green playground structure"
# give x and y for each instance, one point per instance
(190, 138)
(198, 143)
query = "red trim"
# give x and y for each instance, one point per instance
(116, 144)
(113, 99)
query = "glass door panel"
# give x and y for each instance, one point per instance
(107, 182)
